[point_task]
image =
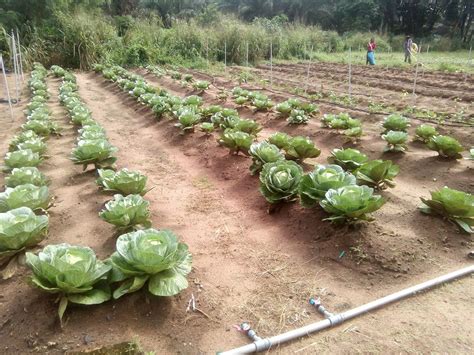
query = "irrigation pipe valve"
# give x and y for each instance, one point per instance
(249, 332)
(316, 302)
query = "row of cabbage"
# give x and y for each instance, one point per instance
(395, 126)
(23, 219)
(142, 256)
(344, 189)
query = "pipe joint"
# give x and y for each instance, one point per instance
(336, 319)
(247, 330)
(316, 302)
(262, 344)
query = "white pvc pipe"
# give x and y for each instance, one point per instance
(15, 65)
(20, 59)
(267, 343)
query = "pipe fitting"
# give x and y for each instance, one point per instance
(316, 302)
(247, 330)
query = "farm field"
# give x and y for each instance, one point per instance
(249, 264)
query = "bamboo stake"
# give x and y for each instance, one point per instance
(15, 65)
(271, 63)
(350, 72)
(6, 87)
(20, 57)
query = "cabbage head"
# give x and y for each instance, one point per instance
(153, 256)
(262, 153)
(351, 204)
(447, 147)
(280, 139)
(125, 181)
(299, 148)
(279, 181)
(395, 122)
(425, 132)
(19, 229)
(313, 186)
(349, 159)
(377, 173)
(396, 141)
(127, 212)
(28, 195)
(22, 158)
(72, 272)
(26, 175)
(456, 206)
(95, 151)
(236, 141)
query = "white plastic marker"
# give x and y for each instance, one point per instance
(2, 66)
(271, 63)
(350, 72)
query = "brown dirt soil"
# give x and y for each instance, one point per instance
(391, 87)
(248, 265)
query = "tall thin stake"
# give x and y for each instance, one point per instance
(307, 71)
(350, 72)
(271, 63)
(225, 56)
(15, 65)
(6, 87)
(469, 63)
(247, 55)
(207, 52)
(414, 84)
(20, 59)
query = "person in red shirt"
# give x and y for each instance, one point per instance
(371, 52)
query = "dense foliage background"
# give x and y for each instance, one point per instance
(78, 33)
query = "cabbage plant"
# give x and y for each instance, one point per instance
(28, 195)
(349, 159)
(299, 148)
(284, 109)
(22, 158)
(351, 204)
(187, 120)
(201, 85)
(456, 206)
(248, 126)
(396, 141)
(22, 137)
(262, 153)
(425, 132)
(153, 256)
(72, 272)
(125, 181)
(236, 141)
(377, 173)
(127, 212)
(280, 139)
(20, 228)
(26, 175)
(207, 127)
(395, 122)
(279, 181)
(313, 186)
(36, 145)
(447, 147)
(297, 117)
(95, 151)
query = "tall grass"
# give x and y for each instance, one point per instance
(82, 38)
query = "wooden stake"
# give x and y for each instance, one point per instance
(6, 86)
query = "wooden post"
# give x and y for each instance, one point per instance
(20, 59)
(414, 84)
(271, 63)
(307, 72)
(15, 65)
(247, 55)
(350, 72)
(6, 87)
(469, 63)
(225, 56)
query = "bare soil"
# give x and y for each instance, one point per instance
(248, 265)
(439, 92)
